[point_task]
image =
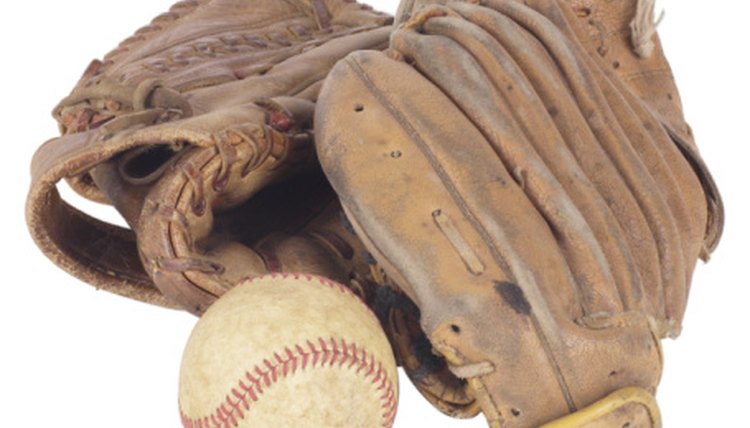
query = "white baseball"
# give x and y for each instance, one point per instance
(288, 350)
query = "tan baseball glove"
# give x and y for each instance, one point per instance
(523, 171)
(198, 129)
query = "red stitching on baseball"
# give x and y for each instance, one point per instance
(254, 382)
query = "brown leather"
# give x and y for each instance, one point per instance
(214, 92)
(543, 207)
(603, 28)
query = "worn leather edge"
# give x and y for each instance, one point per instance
(98, 253)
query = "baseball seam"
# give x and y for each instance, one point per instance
(283, 364)
(255, 381)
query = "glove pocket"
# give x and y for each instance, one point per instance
(187, 227)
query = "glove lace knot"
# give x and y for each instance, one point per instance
(643, 28)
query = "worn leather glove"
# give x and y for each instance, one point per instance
(523, 172)
(198, 129)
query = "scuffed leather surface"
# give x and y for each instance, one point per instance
(537, 197)
(235, 79)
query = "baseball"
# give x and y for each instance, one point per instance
(288, 350)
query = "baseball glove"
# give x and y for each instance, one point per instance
(198, 129)
(523, 172)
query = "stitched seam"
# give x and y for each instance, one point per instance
(328, 353)
(257, 156)
(227, 46)
(136, 40)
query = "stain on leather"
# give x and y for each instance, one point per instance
(513, 296)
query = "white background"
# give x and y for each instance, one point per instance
(70, 356)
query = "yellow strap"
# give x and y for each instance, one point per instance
(608, 405)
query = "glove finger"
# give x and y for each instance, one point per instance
(538, 159)
(632, 149)
(625, 226)
(519, 278)
(465, 262)
(595, 185)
